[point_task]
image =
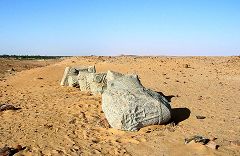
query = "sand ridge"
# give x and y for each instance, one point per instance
(57, 120)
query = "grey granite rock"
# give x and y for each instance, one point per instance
(111, 75)
(98, 82)
(73, 81)
(83, 82)
(94, 82)
(64, 81)
(71, 73)
(130, 106)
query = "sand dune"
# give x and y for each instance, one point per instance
(55, 120)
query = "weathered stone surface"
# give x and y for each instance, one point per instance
(98, 82)
(73, 81)
(111, 75)
(89, 69)
(83, 82)
(64, 81)
(94, 82)
(129, 106)
(71, 73)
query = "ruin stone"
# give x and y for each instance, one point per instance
(82, 80)
(70, 76)
(64, 81)
(98, 82)
(73, 81)
(111, 75)
(130, 106)
(94, 82)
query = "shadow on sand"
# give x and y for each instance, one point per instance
(178, 114)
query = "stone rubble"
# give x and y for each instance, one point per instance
(126, 104)
(97, 82)
(71, 74)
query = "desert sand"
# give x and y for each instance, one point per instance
(56, 120)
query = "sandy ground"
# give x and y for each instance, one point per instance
(55, 120)
(11, 66)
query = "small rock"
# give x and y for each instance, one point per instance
(9, 151)
(197, 139)
(73, 121)
(200, 98)
(186, 66)
(213, 138)
(95, 140)
(4, 107)
(236, 143)
(10, 70)
(212, 145)
(48, 126)
(200, 117)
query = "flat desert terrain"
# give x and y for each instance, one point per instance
(56, 120)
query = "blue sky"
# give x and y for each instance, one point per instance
(113, 27)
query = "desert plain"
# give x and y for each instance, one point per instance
(56, 120)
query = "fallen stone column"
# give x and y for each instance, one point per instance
(64, 81)
(94, 82)
(73, 81)
(130, 106)
(70, 76)
(98, 83)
